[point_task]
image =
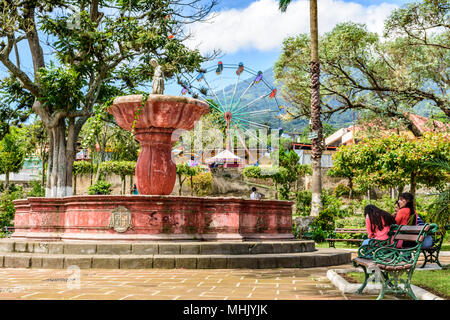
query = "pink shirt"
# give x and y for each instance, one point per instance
(402, 216)
(378, 234)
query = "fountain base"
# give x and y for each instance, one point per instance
(150, 218)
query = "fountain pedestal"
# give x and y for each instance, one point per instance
(155, 170)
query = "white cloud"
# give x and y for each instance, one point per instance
(263, 27)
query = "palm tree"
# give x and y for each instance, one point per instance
(316, 123)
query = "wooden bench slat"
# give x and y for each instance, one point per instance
(406, 237)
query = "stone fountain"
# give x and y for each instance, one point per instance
(154, 214)
(155, 229)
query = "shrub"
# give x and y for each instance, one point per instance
(334, 205)
(341, 190)
(318, 235)
(303, 202)
(7, 209)
(100, 187)
(37, 190)
(202, 183)
(252, 172)
(120, 168)
(325, 221)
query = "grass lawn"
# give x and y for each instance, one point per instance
(434, 281)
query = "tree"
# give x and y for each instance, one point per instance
(14, 107)
(100, 48)
(184, 171)
(360, 72)
(315, 107)
(343, 165)
(394, 161)
(423, 29)
(12, 154)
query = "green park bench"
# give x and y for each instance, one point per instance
(391, 262)
(8, 231)
(333, 237)
(431, 254)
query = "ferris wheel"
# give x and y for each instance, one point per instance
(241, 98)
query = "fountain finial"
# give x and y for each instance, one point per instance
(158, 78)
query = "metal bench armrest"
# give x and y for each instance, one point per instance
(390, 256)
(366, 251)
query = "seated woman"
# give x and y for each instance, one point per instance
(378, 223)
(406, 215)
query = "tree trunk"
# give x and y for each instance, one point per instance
(6, 180)
(413, 185)
(60, 160)
(350, 185)
(74, 185)
(180, 184)
(316, 123)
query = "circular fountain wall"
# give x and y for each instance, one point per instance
(152, 218)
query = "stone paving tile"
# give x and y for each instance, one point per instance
(175, 284)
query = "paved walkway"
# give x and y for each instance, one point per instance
(174, 284)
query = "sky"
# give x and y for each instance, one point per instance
(252, 31)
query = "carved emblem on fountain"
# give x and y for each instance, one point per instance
(120, 219)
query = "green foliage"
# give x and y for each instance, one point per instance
(341, 190)
(361, 71)
(61, 87)
(318, 234)
(303, 202)
(393, 161)
(201, 183)
(252, 172)
(100, 187)
(81, 167)
(289, 171)
(37, 190)
(7, 209)
(120, 168)
(439, 209)
(15, 104)
(12, 153)
(185, 171)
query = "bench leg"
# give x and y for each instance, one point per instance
(366, 278)
(408, 285)
(431, 257)
(425, 255)
(384, 284)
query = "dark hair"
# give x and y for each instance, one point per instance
(378, 217)
(410, 205)
(253, 189)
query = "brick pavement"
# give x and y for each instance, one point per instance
(174, 284)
